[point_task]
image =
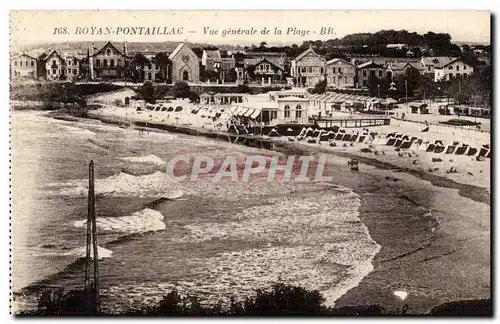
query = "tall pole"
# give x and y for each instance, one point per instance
(406, 91)
(92, 218)
(89, 235)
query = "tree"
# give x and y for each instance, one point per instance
(147, 92)
(161, 59)
(137, 66)
(181, 90)
(410, 80)
(320, 87)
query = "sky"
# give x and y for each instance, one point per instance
(54, 26)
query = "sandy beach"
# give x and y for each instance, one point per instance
(442, 255)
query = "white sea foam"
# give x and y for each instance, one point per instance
(146, 220)
(119, 185)
(73, 130)
(149, 159)
(102, 253)
(308, 240)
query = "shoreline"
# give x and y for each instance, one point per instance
(378, 228)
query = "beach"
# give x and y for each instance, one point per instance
(432, 229)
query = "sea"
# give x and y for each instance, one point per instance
(212, 240)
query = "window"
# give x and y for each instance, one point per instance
(54, 62)
(54, 71)
(118, 62)
(287, 111)
(74, 72)
(321, 70)
(112, 63)
(149, 66)
(303, 69)
(75, 62)
(69, 62)
(108, 51)
(364, 73)
(380, 73)
(105, 62)
(364, 83)
(451, 75)
(340, 70)
(298, 111)
(27, 63)
(274, 114)
(428, 68)
(69, 71)
(309, 69)
(458, 67)
(333, 70)
(450, 67)
(32, 63)
(15, 63)
(20, 63)
(98, 62)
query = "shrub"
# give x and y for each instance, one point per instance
(366, 150)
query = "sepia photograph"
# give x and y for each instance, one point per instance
(250, 163)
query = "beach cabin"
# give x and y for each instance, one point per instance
(420, 109)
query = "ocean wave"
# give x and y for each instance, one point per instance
(149, 159)
(118, 185)
(143, 221)
(102, 253)
(74, 130)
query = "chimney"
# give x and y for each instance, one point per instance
(125, 52)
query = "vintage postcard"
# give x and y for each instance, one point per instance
(250, 162)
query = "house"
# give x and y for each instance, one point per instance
(340, 73)
(209, 59)
(368, 69)
(308, 68)
(72, 64)
(264, 70)
(185, 64)
(55, 66)
(429, 62)
(108, 62)
(151, 71)
(276, 108)
(399, 68)
(23, 66)
(452, 69)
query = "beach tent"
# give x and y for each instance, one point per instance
(450, 149)
(309, 132)
(354, 137)
(405, 138)
(405, 145)
(399, 135)
(489, 154)
(391, 134)
(273, 133)
(439, 148)
(391, 141)
(461, 149)
(430, 148)
(484, 150)
(425, 129)
(325, 136)
(471, 151)
(339, 136)
(398, 143)
(332, 135)
(347, 137)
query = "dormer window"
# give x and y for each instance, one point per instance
(108, 52)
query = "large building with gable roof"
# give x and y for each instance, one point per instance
(185, 64)
(308, 68)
